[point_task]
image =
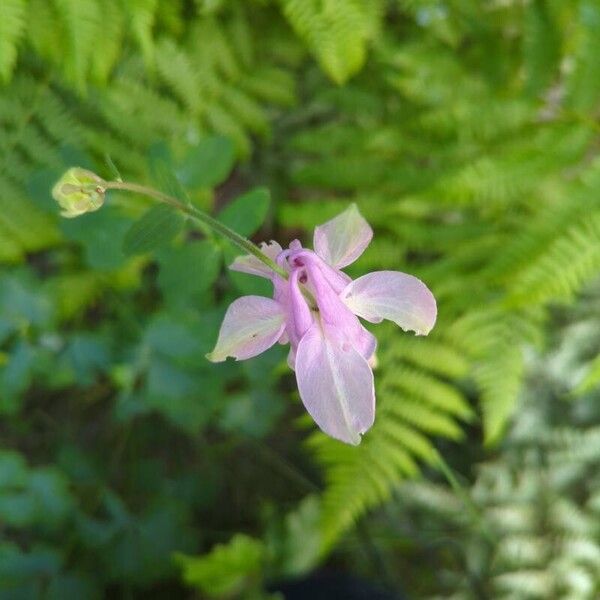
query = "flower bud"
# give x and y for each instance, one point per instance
(79, 191)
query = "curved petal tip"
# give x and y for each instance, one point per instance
(252, 324)
(392, 295)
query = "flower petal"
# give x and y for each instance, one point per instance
(334, 314)
(343, 239)
(336, 385)
(291, 359)
(300, 317)
(250, 264)
(252, 324)
(392, 295)
(337, 279)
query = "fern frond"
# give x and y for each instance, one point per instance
(431, 391)
(359, 479)
(499, 378)
(57, 120)
(82, 24)
(541, 47)
(537, 497)
(410, 406)
(175, 68)
(532, 240)
(157, 116)
(222, 121)
(25, 223)
(572, 259)
(491, 180)
(217, 85)
(433, 355)
(249, 112)
(224, 570)
(584, 82)
(216, 52)
(109, 45)
(495, 340)
(37, 148)
(142, 15)
(462, 117)
(271, 84)
(12, 26)
(336, 31)
(102, 143)
(45, 32)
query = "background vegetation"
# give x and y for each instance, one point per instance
(467, 131)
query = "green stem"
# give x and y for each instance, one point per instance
(201, 217)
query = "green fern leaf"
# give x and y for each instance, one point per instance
(495, 340)
(541, 47)
(410, 406)
(176, 70)
(336, 31)
(82, 23)
(142, 14)
(584, 82)
(571, 260)
(45, 32)
(12, 25)
(33, 229)
(224, 570)
(109, 46)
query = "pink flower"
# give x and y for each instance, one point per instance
(316, 310)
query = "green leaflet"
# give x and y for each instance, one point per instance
(226, 568)
(209, 163)
(247, 213)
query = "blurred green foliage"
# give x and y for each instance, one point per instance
(537, 499)
(466, 131)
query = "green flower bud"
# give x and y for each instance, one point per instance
(79, 191)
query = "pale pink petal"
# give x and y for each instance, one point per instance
(392, 295)
(334, 313)
(337, 279)
(365, 342)
(342, 240)
(281, 290)
(335, 384)
(248, 263)
(291, 359)
(252, 324)
(300, 317)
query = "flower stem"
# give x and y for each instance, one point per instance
(200, 216)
